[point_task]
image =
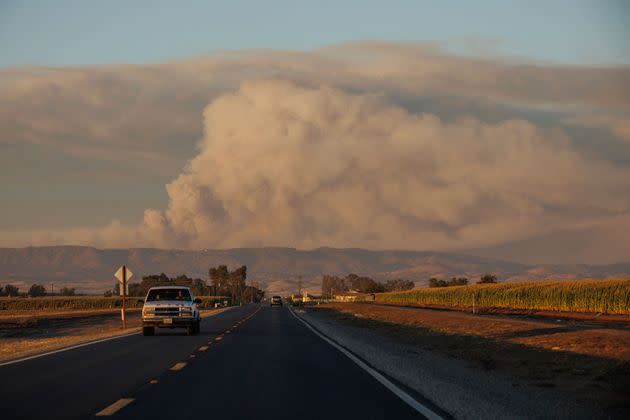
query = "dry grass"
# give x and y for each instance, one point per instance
(610, 296)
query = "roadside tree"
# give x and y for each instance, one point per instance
(11, 290)
(37, 290)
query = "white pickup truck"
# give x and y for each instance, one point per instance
(170, 307)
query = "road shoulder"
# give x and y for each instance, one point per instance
(463, 390)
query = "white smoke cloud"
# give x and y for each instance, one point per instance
(373, 145)
(285, 164)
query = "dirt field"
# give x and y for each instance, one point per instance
(591, 361)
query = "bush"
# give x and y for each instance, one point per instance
(455, 281)
(487, 279)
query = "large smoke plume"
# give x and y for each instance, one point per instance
(368, 145)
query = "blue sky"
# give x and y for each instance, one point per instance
(66, 32)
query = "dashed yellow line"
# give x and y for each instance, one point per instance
(112, 409)
(203, 348)
(178, 366)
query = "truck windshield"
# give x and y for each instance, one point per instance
(168, 294)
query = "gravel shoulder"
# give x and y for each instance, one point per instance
(464, 374)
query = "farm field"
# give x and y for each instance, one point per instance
(610, 296)
(26, 305)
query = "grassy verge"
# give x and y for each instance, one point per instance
(605, 296)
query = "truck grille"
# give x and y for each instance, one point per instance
(165, 311)
(168, 312)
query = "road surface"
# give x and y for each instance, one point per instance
(269, 365)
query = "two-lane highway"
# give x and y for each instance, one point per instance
(249, 362)
(78, 382)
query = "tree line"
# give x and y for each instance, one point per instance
(362, 284)
(461, 281)
(36, 290)
(223, 283)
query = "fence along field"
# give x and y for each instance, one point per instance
(605, 296)
(60, 303)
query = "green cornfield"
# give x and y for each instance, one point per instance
(611, 296)
(61, 303)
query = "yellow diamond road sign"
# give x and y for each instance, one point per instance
(119, 274)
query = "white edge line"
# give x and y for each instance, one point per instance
(89, 343)
(420, 408)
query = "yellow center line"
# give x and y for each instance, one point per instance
(112, 409)
(178, 366)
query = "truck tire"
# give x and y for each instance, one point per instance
(198, 326)
(190, 329)
(148, 330)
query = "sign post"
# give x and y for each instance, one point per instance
(123, 275)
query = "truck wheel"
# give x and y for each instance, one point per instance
(148, 330)
(198, 327)
(190, 330)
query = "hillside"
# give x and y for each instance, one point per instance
(278, 269)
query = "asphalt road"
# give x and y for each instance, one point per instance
(269, 365)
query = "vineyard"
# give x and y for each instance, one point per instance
(605, 296)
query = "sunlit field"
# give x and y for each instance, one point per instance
(610, 296)
(61, 303)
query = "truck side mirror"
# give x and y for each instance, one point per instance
(197, 300)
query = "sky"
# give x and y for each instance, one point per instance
(68, 32)
(494, 126)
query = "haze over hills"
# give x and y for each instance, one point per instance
(91, 270)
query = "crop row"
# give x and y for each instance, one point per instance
(81, 303)
(605, 296)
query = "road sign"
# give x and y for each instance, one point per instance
(120, 289)
(123, 275)
(119, 274)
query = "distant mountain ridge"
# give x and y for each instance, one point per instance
(278, 269)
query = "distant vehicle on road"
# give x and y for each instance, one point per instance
(170, 307)
(276, 300)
